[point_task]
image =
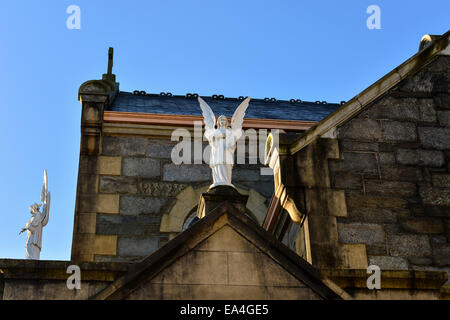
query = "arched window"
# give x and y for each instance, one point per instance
(191, 218)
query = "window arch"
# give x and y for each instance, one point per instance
(185, 207)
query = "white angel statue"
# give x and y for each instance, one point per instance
(37, 221)
(222, 141)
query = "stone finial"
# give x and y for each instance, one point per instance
(109, 76)
(427, 40)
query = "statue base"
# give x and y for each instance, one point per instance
(215, 196)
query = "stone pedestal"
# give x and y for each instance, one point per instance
(214, 197)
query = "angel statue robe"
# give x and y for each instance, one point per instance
(37, 222)
(33, 243)
(223, 144)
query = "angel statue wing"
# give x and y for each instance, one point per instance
(238, 118)
(45, 199)
(208, 117)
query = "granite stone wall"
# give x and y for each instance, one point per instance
(394, 166)
(146, 181)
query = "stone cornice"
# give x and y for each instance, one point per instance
(57, 270)
(390, 279)
(188, 121)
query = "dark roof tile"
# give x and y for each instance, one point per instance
(258, 108)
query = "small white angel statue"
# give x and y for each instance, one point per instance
(36, 223)
(222, 140)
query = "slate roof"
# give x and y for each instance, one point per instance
(188, 105)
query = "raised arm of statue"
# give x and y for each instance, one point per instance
(45, 198)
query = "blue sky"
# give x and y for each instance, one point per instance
(312, 50)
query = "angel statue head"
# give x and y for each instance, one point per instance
(222, 141)
(222, 122)
(34, 208)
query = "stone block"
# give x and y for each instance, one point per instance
(159, 189)
(87, 164)
(422, 225)
(392, 228)
(346, 180)
(141, 167)
(109, 165)
(441, 255)
(389, 263)
(390, 188)
(361, 130)
(149, 219)
(151, 229)
(101, 203)
(325, 229)
(420, 82)
(375, 215)
(355, 163)
(160, 150)
(336, 203)
(124, 146)
(220, 292)
(186, 173)
(352, 256)
(430, 158)
(386, 146)
(135, 205)
(437, 211)
(88, 183)
(360, 233)
(444, 118)
(409, 245)
(395, 109)
(435, 196)
(441, 180)
(118, 225)
(376, 249)
(439, 239)
(426, 111)
(386, 158)
(86, 223)
(197, 267)
(118, 185)
(399, 131)
(134, 246)
(352, 145)
(246, 174)
(440, 65)
(420, 261)
(356, 201)
(442, 101)
(248, 268)
(436, 138)
(97, 244)
(401, 173)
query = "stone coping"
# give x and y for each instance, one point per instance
(390, 279)
(56, 269)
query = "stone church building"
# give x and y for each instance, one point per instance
(341, 187)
